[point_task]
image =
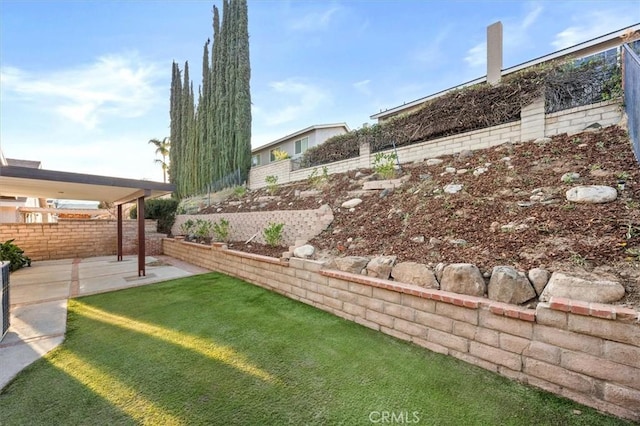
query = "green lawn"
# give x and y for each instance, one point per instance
(211, 349)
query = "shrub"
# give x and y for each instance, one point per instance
(273, 234)
(239, 191)
(187, 227)
(316, 179)
(14, 255)
(281, 155)
(384, 164)
(272, 184)
(221, 230)
(203, 229)
(161, 209)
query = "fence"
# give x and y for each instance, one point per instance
(632, 96)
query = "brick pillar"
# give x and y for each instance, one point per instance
(494, 53)
(365, 155)
(532, 120)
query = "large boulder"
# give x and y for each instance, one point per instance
(539, 278)
(353, 264)
(587, 288)
(463, 278)
(380, 267)
(415, 273)
(305, 252)
(507, 285)
(592, 194)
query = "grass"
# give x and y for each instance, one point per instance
(211, 349)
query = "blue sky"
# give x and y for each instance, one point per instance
(85, 84)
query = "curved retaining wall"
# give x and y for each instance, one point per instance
(587, 352)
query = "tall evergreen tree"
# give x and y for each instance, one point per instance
(213, 140)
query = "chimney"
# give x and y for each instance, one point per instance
(494, 53)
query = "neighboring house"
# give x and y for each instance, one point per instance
(12, 209)
(606, 45)
(296, 143)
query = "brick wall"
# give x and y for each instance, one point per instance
(79, 238)
(299, 224)
(586, 352)
(534, 123)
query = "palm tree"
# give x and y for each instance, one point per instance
(162, 148)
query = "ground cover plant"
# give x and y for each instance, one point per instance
(211, 349)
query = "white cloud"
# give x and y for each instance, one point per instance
(532, 16)
(113, 85)
(292, 100)
(432, 53)
(315, 21)
(363, 87)
(477, 55)
(594, 24)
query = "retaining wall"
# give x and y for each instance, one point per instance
(586, 352)
(79, 238)
(299, 224)
(533, 124)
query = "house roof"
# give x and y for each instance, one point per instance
(24, 163)
(301, 132)
(601, 43)
(20, 181)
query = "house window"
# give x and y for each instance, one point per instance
(255, 160)
(301, 145)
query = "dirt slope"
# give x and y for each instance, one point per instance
(515, 213)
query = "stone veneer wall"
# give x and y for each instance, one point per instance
(299, 224)
(534, 123)
(586, 352)
(79, 238)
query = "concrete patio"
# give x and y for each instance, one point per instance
(39, 294)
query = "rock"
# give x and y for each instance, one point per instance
(588, 289)
(304, 252)
(452, 188)
(353, 264)
(509, 286)
(539, 278)
(461, 171)
(380, 267)
(351, 203)
(308, 193)
(463, 278)
(434, 242)
(591, 194)
(542, 140)
(458, 242)
(450, 170)
(419, 239)
(465, 153)
(425, 177)
(359, 175)
(414, 273)
(570, 177)
(525, 203)
(385, 192)
(479, 171)
(439, 270)
(433, 161)
(505, 159)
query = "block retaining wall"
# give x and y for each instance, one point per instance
(589, 353)
(533, 124)
(299, 224)
(79, 238)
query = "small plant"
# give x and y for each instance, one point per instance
(568, 178)
(600, 145)
(272, 184)
(239, 191)
(280, 155)
(187, 227)
(221, 230)
(14, 255)
(273, 234)
(622, 176)
(203, 230)
(633, 254)
(384, 165)
(596, 167)
(316, 179)
(578, 259)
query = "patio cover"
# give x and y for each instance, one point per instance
(19, 181)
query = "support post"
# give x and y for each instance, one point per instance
(141, 239)
(119, 225)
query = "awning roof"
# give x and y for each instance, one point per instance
(38, 183)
